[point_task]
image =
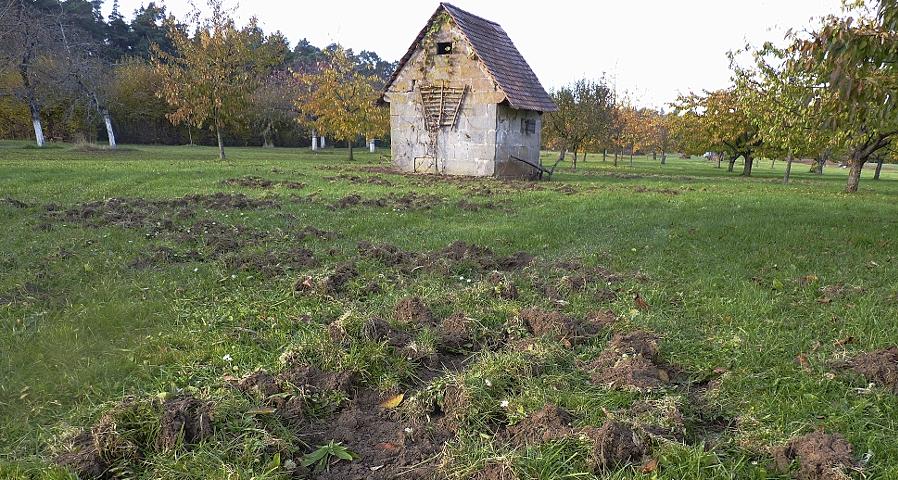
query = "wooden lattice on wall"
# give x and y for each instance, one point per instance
(441, 104)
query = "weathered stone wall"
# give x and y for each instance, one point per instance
(512, 139)
(468, 148)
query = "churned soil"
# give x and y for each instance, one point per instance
(547, 424)
(879, 367)
(413, 311)
(630, 362)
(615, 444)
(820, 456)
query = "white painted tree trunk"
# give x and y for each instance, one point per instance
(109, 132)
(314, 142)
(371, 146)
(38, 130)
(323, 143)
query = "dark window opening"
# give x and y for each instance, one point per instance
(444, 48)
(528, 126)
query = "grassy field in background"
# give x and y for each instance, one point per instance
(755, 288)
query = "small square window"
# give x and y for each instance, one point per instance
(528, 126)
(444, 48)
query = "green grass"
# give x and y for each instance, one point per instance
(719, 258)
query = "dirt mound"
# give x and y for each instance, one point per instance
(380, 330)
(260, 382)
(615, 445)
(455, 332)
(271, 264)
(482, 257)
(629, 361)
(386, 447)
(84, 457)
(311, 378)
(136, 213)
(336, 282)
(387, 254)
(504, 288)
(413, 311)
(252, 181)
(12, 202)
(547, 424)
(636, 343)
(879, 367)
(184, 419)
(820, 456)
(541, 322)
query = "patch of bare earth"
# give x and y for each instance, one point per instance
(879, 367)
(820, 456)
(630, 362)
(547, 424)
(555, 324)
(616, 444)
(413, 311)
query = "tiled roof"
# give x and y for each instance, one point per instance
(498, 54)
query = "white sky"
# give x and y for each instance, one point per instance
(654, 49)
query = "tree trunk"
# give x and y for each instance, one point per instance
(772, 163)
(720, 159)
(749, 161)
(221, 153)
(575, 158)
(266, 136)
(820, 163)
(878, 167)
(788, 170)
(110, 134)
(190, 135)
(732, 165)
(604, 155)
(663, 157)
(349, 145)
(615, 157)
(36, 121)
(314, 141)
(372, 147)
(584, 155)
(323, 142)
(854, 174)
(631, 158)
(654, 156)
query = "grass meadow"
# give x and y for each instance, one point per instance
(757, 293)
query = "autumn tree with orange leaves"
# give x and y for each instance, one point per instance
(337, 99)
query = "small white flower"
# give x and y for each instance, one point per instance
(196, 270)
(289, 465)
(409, 429)
(488, 382)
(227, 357)
(468, 280)
(503, 404)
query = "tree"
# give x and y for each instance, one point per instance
(337, 99)
(30, 39)
(584, 116)
(210, 77)
(720, 121)
(273, 105)
(850, 64)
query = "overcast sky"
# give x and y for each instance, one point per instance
(654, 49)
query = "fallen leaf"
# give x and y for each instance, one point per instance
(393, 401)
(803, 361)
(376, 468)
(641, 304)
(387, 447)
(650, 466)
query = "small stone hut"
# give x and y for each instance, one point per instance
(463, 101)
